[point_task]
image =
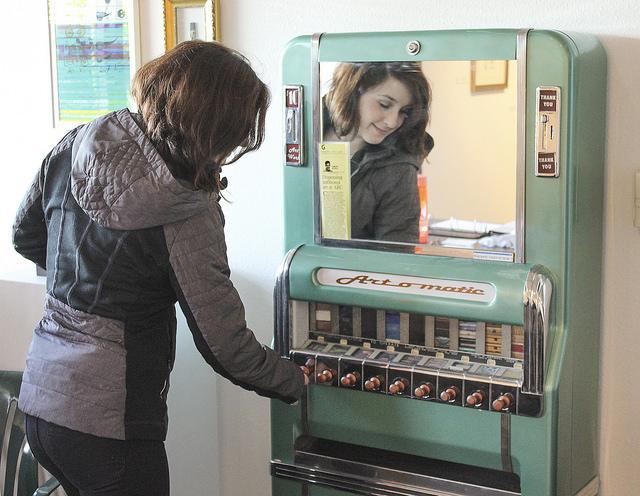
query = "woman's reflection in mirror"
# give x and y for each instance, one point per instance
(382, 109)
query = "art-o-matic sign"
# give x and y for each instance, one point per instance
(440, 288)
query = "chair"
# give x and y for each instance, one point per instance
(18, 467)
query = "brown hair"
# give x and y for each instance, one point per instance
(202, 106)
(351, 80)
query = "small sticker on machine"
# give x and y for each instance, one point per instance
(441, 288)
(496, 256)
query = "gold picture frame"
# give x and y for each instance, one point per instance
(191, 19)
(489, 75)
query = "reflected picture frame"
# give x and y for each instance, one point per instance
(489, 75)
(190, 19)
(94, 54)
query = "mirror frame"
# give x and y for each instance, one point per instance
(518, 255)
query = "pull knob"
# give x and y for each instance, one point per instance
(424, 389)
(449, 395)
(308, 366)
(476, 398)
(374, 383)
(398, 386)
(350, 379)
(503, 402)
(326, 375)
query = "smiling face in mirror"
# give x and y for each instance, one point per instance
(382, 110)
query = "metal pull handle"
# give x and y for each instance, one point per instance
(537, 300)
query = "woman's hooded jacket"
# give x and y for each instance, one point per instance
(385, 202)
(122, 240)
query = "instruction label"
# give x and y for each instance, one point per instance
(335, 189)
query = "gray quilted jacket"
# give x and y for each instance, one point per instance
(122, 240)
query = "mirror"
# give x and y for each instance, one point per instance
(419, 154)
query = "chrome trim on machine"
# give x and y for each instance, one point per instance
(368, 479)
(521, 145)
(281, 305)
(377, 485)
(315, 98)
(537, 301)
(281, 312)
(505, 443)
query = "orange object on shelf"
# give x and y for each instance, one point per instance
(423, 226)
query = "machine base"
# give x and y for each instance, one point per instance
(372, 471)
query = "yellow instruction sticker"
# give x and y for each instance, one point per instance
(335, 189)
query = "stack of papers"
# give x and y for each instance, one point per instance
(471, 227)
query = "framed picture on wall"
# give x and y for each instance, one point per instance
(94, 56)
(191, 20)
(489, 75)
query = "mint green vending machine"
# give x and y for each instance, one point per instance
(442, 277)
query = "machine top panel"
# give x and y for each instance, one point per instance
(435, 45)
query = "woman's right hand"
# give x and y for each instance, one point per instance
(306, 372)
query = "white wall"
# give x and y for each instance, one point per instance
(486, 121)
(233, 449)
(26, 132)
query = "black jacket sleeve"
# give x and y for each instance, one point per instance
(29, 228)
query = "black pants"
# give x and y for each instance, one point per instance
(87, 465)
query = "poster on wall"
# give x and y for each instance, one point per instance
(94, 55)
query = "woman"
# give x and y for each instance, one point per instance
(124, 215)
(382, 108)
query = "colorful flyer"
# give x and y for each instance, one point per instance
(335, 189)
(93, 49)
